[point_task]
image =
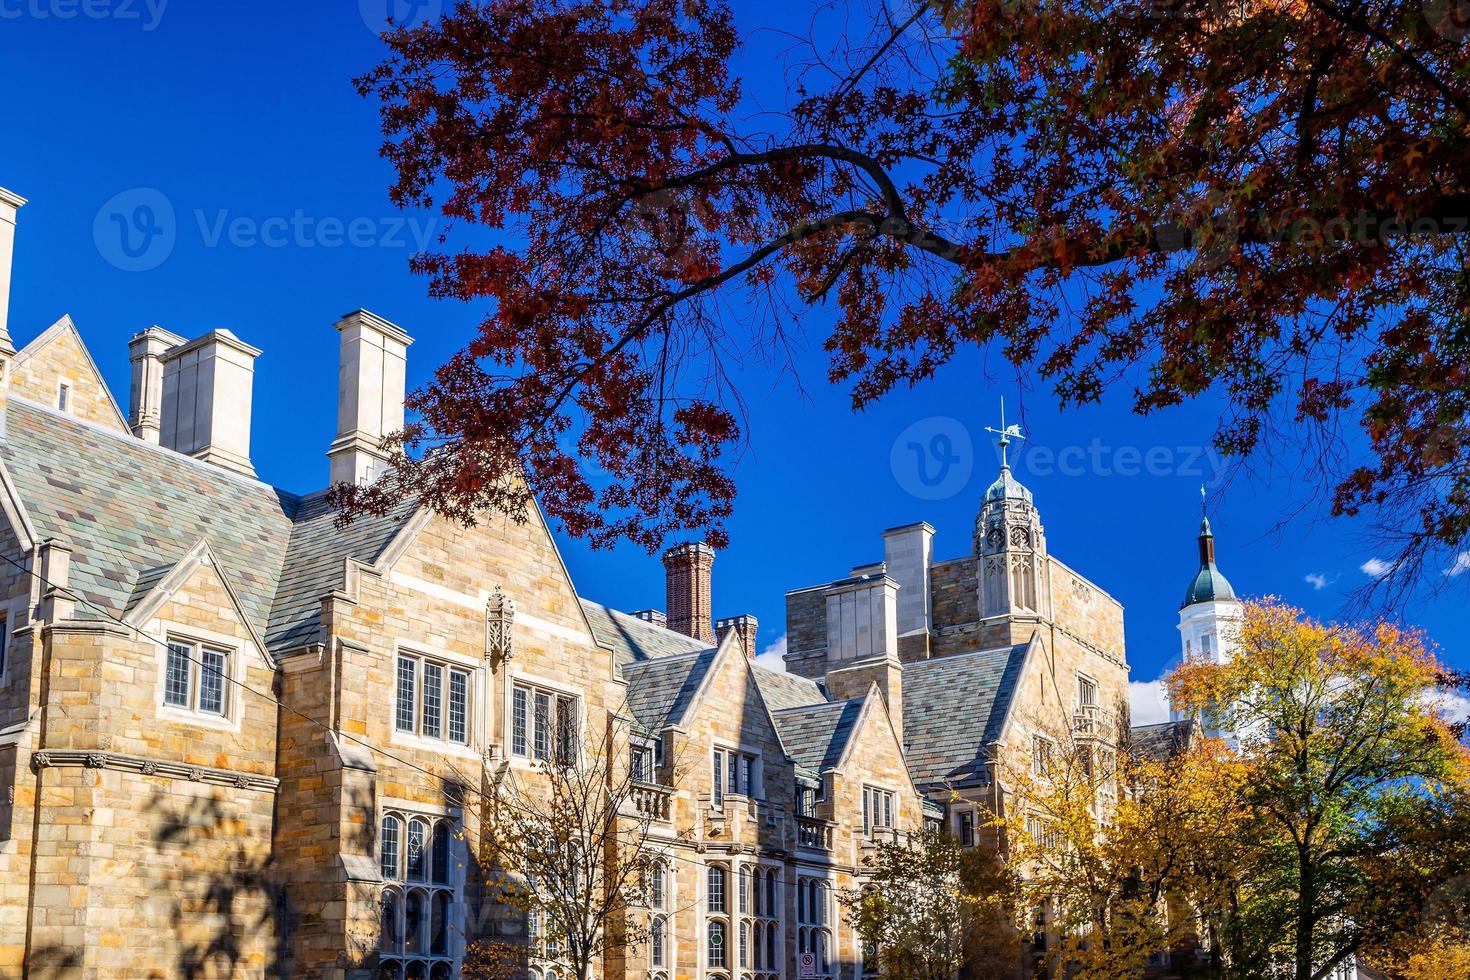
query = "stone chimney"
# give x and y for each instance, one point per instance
(744, 627)
(370, 386)
(653, 616)
(862, 641)
(205, 411)
(145, 406)
(9, 205)
(687, 569)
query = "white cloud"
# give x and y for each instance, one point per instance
(1460, 565)
(1452, 706)
(1317, 581)
(1376, 567)
(773, 656)
(1147, 702)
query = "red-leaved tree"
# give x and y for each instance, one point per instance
(1260, 199)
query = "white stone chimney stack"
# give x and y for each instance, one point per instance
(145, 406)
(205, 409)
(370, 388)
(9, 205)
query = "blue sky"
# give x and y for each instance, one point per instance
(236, 125)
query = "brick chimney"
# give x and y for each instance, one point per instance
(205, 410)
(370, 384)
(743, 626)
(687, 569)
(653, 616)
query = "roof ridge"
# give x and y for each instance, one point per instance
(128, 439)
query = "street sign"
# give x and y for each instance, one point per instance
(806, 966)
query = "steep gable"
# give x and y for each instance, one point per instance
(56, 358)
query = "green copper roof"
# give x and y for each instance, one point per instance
(1210, 584)
(1007, 487)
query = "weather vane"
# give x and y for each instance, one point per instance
(1005, 433)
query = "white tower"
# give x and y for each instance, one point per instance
(1011, 545)
(1210, 614)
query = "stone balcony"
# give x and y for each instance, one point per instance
(1093, 723)
(814, 833)
(652, 801)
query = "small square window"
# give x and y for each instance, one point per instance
(195, 678)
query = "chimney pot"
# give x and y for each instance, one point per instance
(207, 387)
(687, 573)
(370, 386)
(654, 616)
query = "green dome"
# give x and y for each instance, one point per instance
(1210, 584)
(1007, 487)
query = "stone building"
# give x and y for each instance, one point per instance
(237, 739)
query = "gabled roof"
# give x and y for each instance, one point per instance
(953, 707)
(631, 639)
(661, 690)
(781, 690)
(128, 508)
(316, 563)
(62, 328)
(131, 511)
(816, 735)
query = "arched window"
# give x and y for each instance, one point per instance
(418, 834)
(744, 890)
(441, 853)
(390, 928)
(417, 925)
(657, 942)
(715, 892)
(716, 944)
(439, 925)
(388, 842)
(744, 944)
(773, 958)
(656, 887)
(413, 921)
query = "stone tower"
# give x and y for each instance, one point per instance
(1010, 545)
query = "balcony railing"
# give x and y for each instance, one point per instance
(1093, 722)
(652, 801)
(814, 833)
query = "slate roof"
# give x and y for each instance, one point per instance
(782, 690)
(815, 735)
(631, 639)
(131, 510)
(127, 508)
(660, 690)
(315, 564)
(954, 706)
(1161, 741)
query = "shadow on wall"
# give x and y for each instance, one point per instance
(229, 915)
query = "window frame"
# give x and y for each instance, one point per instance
(524, 728)
(416, 707)
(440, 904)
(195, 644)
(878, 802)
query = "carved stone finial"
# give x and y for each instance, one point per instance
(41, 760)
(500, 614)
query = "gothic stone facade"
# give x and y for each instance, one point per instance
(237, 739)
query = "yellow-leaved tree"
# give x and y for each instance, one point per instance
(1345, 760)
